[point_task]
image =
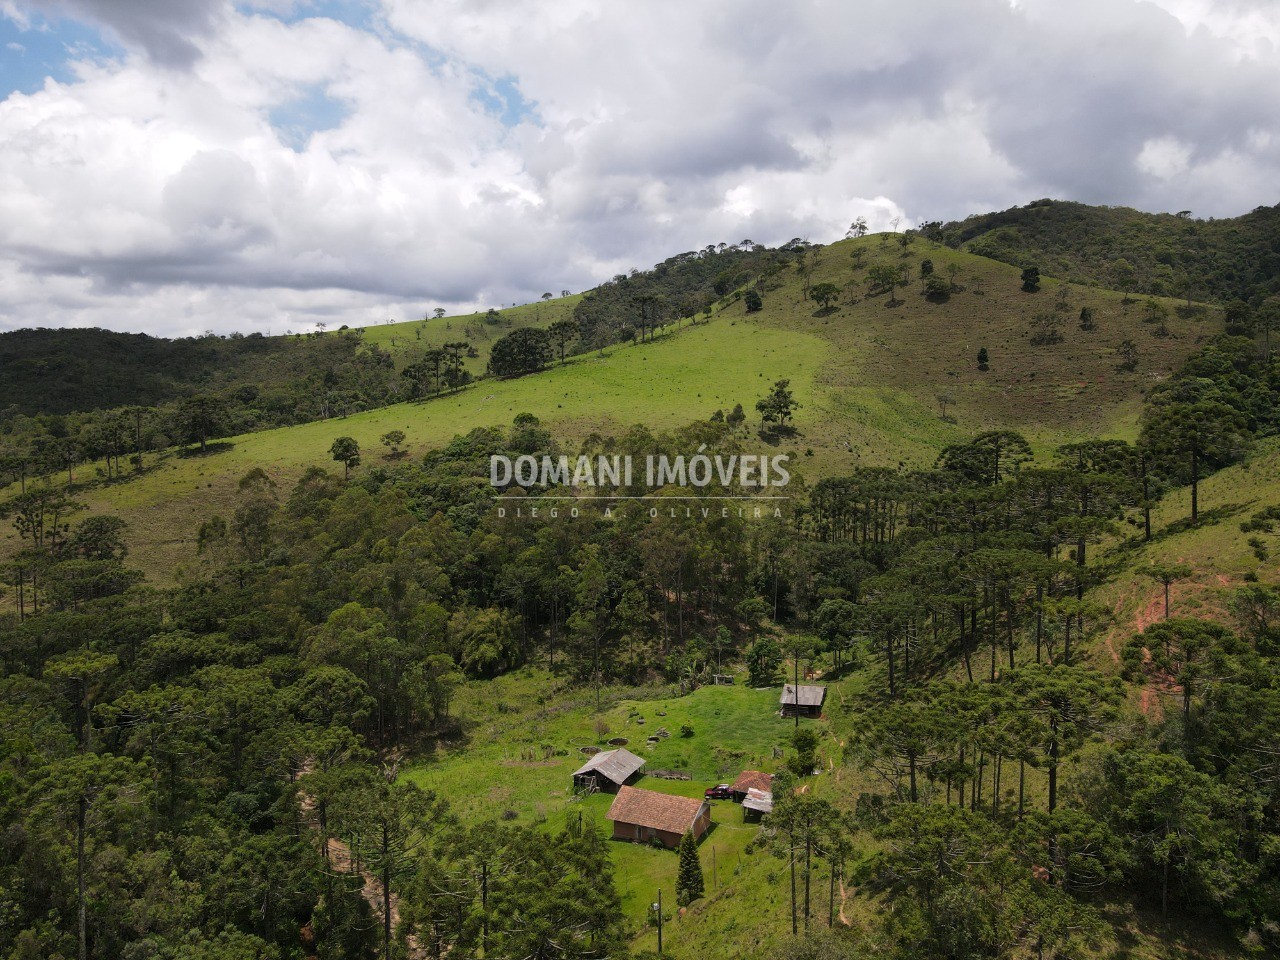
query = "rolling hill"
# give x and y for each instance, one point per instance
(881, 381)
(1166, 254)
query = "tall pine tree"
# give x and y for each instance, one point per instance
(689, 885)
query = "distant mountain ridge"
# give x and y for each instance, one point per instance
(1170, 254)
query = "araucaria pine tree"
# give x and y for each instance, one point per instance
(689, 884)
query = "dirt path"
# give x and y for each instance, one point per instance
(341, 861)
(844, 898)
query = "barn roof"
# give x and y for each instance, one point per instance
(752, 780)
(658, 811)
(615, 765)
(810, 696)
(759, 800)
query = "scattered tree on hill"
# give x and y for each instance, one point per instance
(202, 418)
(736, 417)
(345, 451)
(882, 276)
(1193, 430)
(754, 302)
(825, 293)
(857, 229)
(764, 660)
(1124, 276)
(392, 440)
(936, 289)
(983, 358)
(804, 752)
(521, 351)
(1192, 653)
(778, 406)
(1086, 319)
(1167, 575)
(1127, 351)
(1031, 279)
(689, 882)
(562, 333)
(945, 399)
(1046, 329)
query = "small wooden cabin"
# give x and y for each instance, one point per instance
(805, 700)
(608, 770)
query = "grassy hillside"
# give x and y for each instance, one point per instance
(1222, 260)
(406, 339)
(867, 372)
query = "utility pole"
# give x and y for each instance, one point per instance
(659, 921)
(795, 690)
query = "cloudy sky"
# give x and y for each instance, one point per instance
(172, 166)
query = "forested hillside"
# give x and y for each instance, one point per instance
(881, 337)
(1164, 254)
(375, 684)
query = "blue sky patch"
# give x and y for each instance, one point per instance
(358, 14)
(311, 112)
(45, 49)
(501, 98)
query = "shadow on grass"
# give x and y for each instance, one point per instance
(210, 449)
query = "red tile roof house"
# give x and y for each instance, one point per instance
(751, 780)
(643, 816)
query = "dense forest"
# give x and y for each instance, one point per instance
(1161, 254)
(213, 770)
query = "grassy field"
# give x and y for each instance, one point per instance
(410, 338)
(867, 375)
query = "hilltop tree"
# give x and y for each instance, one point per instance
(689, 882)
(345, 451)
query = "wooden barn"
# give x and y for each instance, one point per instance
(646, 815)
(608, 770)
(751, 780)
(805, 700)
